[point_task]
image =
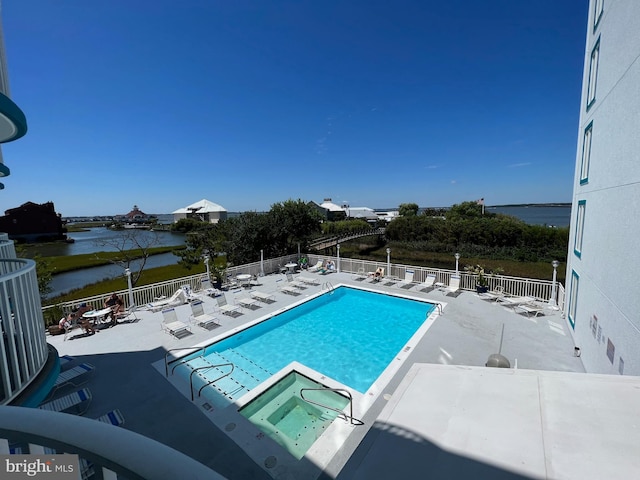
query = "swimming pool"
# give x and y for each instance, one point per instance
(348, 334)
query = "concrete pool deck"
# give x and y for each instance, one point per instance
(467, 332)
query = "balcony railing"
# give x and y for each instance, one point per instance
(118, 452)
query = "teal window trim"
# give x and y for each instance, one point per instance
(577, 241)
(593, 74)
(573, 298)
(598, 10)
(585, 161)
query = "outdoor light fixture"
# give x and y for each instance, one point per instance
(457, 255)
(388, 261)
(338, 261)
(206, 264)
(552, 301)
(127, 272)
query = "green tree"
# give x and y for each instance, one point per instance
(408, 209)
(44, 270)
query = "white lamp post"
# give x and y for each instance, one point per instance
(457, 255)
(388, 261)
(552, 301)
(262, 263)
(206, 264)
(338, 250)
(127, 272)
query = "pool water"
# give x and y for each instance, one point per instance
(284, 416)
(349, 334)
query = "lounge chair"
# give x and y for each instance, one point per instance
(407, 283)
(308, 280)
(66, 361)
(172, 325)
(189, 293)
(263, 297)
(529, 309)
(453, 289)
(207, 288)
(495, 294)
(316, 267)
(361, 275)
(200, 318)
(114, 417)
(377, 275)
(176, 299)
(295, 283)
(514, 301)
(76, 402)
(428, 284)
(231, 310)
(288, 289)
(75, 376)
(248, 302)
(329, 268)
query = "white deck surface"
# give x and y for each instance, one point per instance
(545, 419)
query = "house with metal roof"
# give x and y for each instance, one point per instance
(204, 210)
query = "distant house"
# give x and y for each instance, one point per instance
(329, 211)
(134, 216)
(204, 210)
(32, 222)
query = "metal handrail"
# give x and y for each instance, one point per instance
(212, 381)
(352, 421)
(328, 286)
(166, 355)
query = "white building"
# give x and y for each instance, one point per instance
(603, 306)
(204, 210)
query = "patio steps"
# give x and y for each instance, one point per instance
(246, 374)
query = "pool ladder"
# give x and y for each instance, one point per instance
(328, 287)
(349, 418)
(181, 362)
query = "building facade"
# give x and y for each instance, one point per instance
(204, 210)
(602, 286)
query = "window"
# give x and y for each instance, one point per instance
(598, 8)
(577, 246)
(573, 299)
(586, 155)
(593, 74)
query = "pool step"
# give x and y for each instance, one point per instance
(246, 374)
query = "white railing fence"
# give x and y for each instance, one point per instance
(540, 289)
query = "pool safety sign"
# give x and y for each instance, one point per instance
(50, 467)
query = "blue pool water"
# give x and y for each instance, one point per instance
(349, 335)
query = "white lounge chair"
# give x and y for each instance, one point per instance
(76, 402)
(453, 289)
(361, 275)
(295, 283)
(263, 297)
(200, 318)
(514, 301)
(189, 294)
(231, 310)
(128, 316)
(316, 267)
(428, 284)
(172, 325)
(75, 376)
(207, 288)
(529, 309)
(176, 299)
(407, 283)
(288, 289)
(308, 280)
(494, 294)
(248, 302)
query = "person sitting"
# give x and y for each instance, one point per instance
(377, 275)
(67, 322)
(115, 303)
(328, 268)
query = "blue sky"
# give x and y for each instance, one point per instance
(161, 103)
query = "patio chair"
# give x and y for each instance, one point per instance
(361, 275)
(207, 288)
(428, 284)
(407, 283)
(295, 283)
(248, 302)
(453, 289)
(288, 289)
(231, 310)
(189, 293)
(114, 417)
(76, 402)
(308, 280)
(200, 318)
(172, 325)
(316, 267)
(263, 297)
(514, 301)
(127, 316)
(529, 309)
(176, 299)
(75, 376)
(66, 361)
(494, 294)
